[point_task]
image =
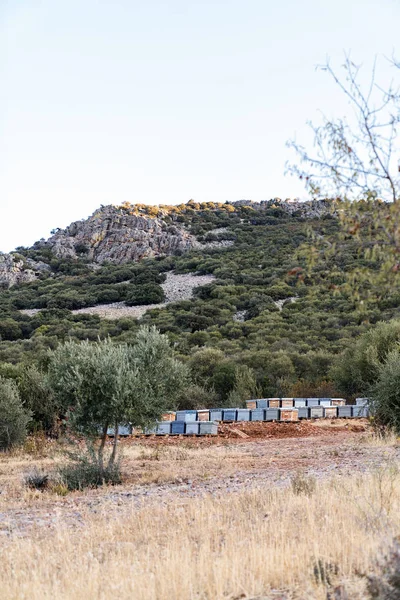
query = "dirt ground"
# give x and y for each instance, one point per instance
(163, 469)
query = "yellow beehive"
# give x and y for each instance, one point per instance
(330, 412)
(203, 415)
(251, 404)
(338, 402)
(287, 402)
(289, 414)
(274, 403)
(168, 416)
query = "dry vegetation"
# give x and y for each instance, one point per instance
(258, 540)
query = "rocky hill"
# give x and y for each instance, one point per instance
(129, 233)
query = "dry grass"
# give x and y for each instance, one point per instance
(239, 545)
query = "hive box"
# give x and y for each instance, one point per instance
(331, 412)
(338, 401)
(177, 427)
(168, 416)
(123, 430)
(251, 404)
(229, 414)
(312, 401)
(299, 402)
(288, 414)
(262, 403)
(344, 411)
(193, 428)
(208, 428)
(360, 411)
(303, 412)
(274, 403)
(316, 412)
(243, 414)
(287, 402)
(272, 414)
(258, 414)
(163, 428)
(325, 402)
(186, 415)
(203, 415)
(362, 401)
(216, 414)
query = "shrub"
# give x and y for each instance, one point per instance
(14, 418)
(36, 479)
(385, 395)
(386, 585)
(148, 293)
(84, 470)
(303, 484)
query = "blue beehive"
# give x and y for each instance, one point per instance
(186, 415)
(312, 401)
(258, 414)
(303, 412)
(300, 402)
(243, 414)
(193, 428)
(344, 411)
(208, 428)
(216, 414)
(272, 414)
(325, 402)
(177, 427)
(229, 414)
(164, 428)
(262, 403)
(123, 430)
(360, 411)
(317, 412)
(362, 401)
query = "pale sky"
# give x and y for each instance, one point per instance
(160, 101)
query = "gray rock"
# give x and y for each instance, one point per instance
(13, 270)
(113, 234)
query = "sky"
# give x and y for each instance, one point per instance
(161, 101)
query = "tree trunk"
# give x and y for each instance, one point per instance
(101, 447)
(114, 450)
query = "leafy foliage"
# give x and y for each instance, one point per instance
(14, 418)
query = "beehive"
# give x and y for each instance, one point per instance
(192, 428)
(123, 430)
(303, 412)
(362, 401)
(168, 416)
(177, 427)
(251, 404)
(300, 402)
(216, 414)
(258, 414)
(186, 415)
(287, 402)
(203, 415)
(312, 401)
(208, 428)
(243, 414)
(229, 414)
(331, 412)
(288, 414)
(344, 411)
(272, 414)
(163, 428)
(274, 403)
(338, 401)
(360, 411)
(262, 403)
(317, 412)
(325, 402)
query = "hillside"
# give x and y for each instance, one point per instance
(260, 309)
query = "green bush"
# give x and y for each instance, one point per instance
(85, 471)
(385, 394)
(148, 293)
(14, 418)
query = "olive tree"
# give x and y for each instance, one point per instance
(354, 162)
(14, 418)
(103, 384)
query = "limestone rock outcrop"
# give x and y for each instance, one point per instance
(113, 235)
(14, 270)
